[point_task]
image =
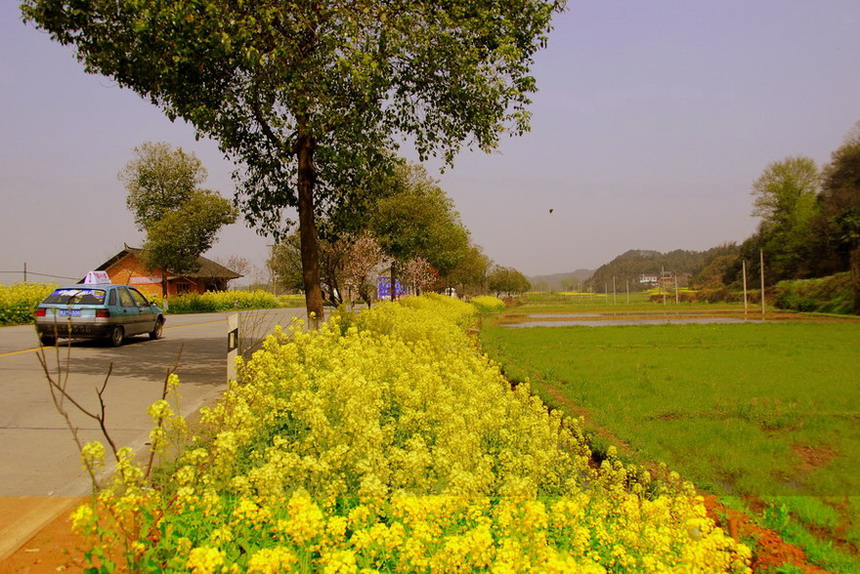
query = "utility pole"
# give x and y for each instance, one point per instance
(628, 291)
(663, 283)
(25, 272)
(761, 255)
(676, 289)
(744, 272)
(614, 292)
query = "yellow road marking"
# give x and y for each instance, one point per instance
(36, 350)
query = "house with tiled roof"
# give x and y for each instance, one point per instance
(127, 268)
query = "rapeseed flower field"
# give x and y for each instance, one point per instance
(385, 442)
(18, 301)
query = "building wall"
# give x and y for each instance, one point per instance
(130, 271)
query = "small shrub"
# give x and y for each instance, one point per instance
(215, 301)
(827, 295)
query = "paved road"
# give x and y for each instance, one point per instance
(37, 454)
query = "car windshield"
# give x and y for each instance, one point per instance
(77, 297)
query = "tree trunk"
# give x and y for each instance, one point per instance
(164, 284)
(307, 230)
(393, 283)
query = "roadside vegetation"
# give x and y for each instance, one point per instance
(825, 295)
(386, 441)
(761, 414)
(18, 301)
(218, 301)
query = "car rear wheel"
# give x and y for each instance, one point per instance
(48, 340)
(156, 332)
(116, 336)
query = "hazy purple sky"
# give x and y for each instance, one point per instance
(652, 121)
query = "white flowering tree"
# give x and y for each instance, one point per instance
(418, 275)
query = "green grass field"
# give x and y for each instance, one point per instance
(769, 410)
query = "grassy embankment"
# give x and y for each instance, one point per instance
(762, 410)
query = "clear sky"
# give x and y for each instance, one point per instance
(652, 121)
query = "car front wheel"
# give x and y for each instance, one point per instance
(48, 340)
(156, 331)
(116, 336)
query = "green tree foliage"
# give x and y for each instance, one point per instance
(420, 221)
(285, 264)
(305, 95)
(181, 221)
(159, 179)
(718, 268)
(508, 281)
(175, 242)
(840, 206)
(469, 276)
(785, 200)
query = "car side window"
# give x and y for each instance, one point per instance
(139, 299)
(112, 298)
(125, 299)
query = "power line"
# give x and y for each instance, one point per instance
(28, 272)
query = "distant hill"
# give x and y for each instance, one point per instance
(630, 266)
(569, 281)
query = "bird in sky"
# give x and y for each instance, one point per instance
(550, 210)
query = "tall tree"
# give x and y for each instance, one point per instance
(785, 200)
(159, 179)
(785, 192)
(507, 280)
(175, 242)
(285, 264)
(305, 94)
(181, 220)
(840, 204)
(419, 221)
(470, 273)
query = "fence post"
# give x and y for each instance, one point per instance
(761, 255)
(232, 345)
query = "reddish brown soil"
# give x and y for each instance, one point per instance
(769, 549)
(48, 552)
(813, 457)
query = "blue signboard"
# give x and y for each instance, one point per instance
(384, 288)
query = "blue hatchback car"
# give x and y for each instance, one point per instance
(92, 311)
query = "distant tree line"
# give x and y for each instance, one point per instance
(809, 227)
(809, 222)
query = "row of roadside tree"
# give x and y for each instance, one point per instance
(404, 228)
